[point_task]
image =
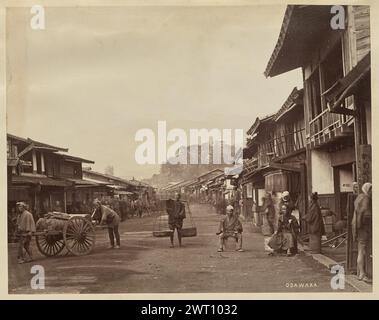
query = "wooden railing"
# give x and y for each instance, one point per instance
(326, 122)
(281, 146)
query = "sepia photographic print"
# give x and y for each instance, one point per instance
(187, 147)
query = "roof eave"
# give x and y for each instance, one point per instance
(280, 41)
(295, 43)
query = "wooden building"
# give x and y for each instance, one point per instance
(41, 175)
(335, 64)
(275, 155)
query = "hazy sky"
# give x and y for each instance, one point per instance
(95, 76)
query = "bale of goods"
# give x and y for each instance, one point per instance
(50, 224)
(57, 215)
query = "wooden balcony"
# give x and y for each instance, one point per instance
(329, 127)
(281, 147)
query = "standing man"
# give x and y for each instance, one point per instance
(362, 228)
(25, 229)
(268, 211)
(315, 224)
(112, 220)
(139, 208)
(176, 214)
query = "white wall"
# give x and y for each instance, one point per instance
(261, 194)
(322, 172)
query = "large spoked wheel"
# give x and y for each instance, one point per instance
(50, 244)
(79, 236)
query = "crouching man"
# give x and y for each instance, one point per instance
(230, 226)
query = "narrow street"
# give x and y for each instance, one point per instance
(145, 264)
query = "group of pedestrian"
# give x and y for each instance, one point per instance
(283, 233)
(128, 208)
(103, 214)
(284, 237)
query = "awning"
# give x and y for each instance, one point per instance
(258, 122)
(32, 146)
(294, 103)
(96, 181)
(347, 86)
(116, 187)
(75, 159)
(43, 181)
(123, 192)
(82, 182)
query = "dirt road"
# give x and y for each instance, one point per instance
(145, 264)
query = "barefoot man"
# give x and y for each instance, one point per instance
(176, 214)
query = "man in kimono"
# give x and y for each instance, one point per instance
(112, 220)
(230, 226)
(288, 228)
(362, 228)
(25, 229)
(315, 223)
(268, 211)
(176, 214)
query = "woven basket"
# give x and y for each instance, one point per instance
(188, 232)
(162, 233)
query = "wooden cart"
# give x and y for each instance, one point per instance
(77, 236)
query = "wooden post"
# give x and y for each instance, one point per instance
(357, 138)
(34, 161)
(50, 202)
(42, 163)
(304, 197)
(337, 192)
(35, 204)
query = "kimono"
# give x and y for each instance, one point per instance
(25, 222)
(230, 226)
(176, 214)
(315, 226)
(286, 237)
(25, 228)
(314, 219)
